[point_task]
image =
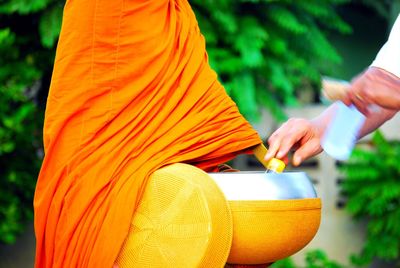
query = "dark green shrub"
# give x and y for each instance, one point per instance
(28, 31)
(265, 51)
(372, 185)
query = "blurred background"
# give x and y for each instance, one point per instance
(270, 55)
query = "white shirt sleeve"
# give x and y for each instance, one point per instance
(388, 57)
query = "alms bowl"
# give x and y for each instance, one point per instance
(274, 215)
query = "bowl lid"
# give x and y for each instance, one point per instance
(182, 220)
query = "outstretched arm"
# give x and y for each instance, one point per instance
(378, 86)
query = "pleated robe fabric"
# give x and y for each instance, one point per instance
(131, 91)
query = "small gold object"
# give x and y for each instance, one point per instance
(274, 165)
(358, 96)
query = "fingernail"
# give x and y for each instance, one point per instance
(296, 160)
(280, 154)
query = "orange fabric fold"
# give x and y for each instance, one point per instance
(131, 91)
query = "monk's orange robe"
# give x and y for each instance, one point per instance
(131, 91)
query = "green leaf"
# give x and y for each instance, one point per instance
(244, 93)
(22, 6)
(287, 20)
(250, 42)
(50, 26)
(380, 142)
(5, 35)
(226, 21)
(7, 147)
(317, 9)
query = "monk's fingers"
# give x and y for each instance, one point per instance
(306, 150)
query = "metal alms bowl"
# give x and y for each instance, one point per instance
(249, 185)
(274, 215)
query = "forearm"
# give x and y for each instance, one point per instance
(322, 121)
(372, 122)
(375, 120)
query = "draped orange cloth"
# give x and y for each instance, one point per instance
(131, 91)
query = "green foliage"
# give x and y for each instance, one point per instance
(266, 52)
(50, 25)
(27, 30)
(373, 188)
(314, 259)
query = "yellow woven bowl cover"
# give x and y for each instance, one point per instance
(183, 220)
(267, 231)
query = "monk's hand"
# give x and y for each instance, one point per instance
(299, 135)
(374, 87)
